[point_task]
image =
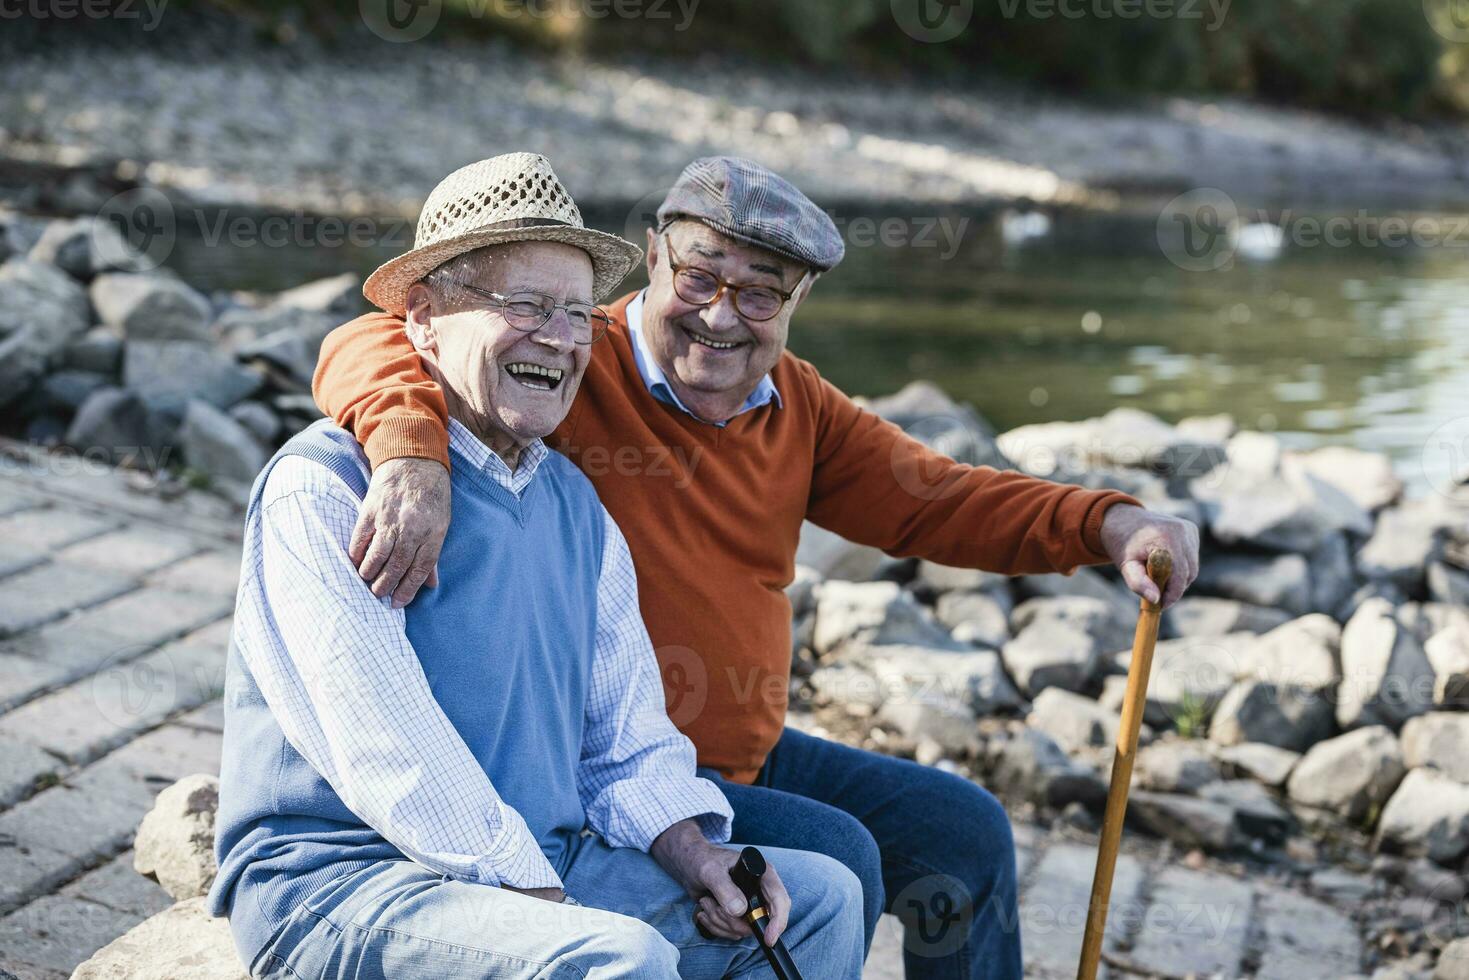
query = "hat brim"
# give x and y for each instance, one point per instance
(612, 259)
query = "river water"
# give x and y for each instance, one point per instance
(1036, 318)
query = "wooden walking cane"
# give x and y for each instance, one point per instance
(1160, 567)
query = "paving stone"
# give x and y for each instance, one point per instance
(165, 755)
(1053, 909)
(21, 764)
(22, 676)
(135, 550)
(50, 528)
(18, 560)
(49, 591)
(85, 719)
(209, 716)
(13, 500)
(58, 932)
(1305, 938)
(1196, 923)
(216, 572)
(118, 886)
(119, 629)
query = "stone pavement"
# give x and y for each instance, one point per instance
(114, 615)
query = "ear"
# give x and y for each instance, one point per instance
(418, 321)
(652, 251)
(804, 289)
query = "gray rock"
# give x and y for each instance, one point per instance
(1269, 764)
(1301, 653)
(1086, 583)
(175, 842)
(1186, 820)
(64, 391)
(1428, 817)
(872, 613)
(1344, 887)
(1447, 651)
(339, 294)
(1174, 766)
(1052, 653)
(1124, 437)
(1257, 711)
(1290, 510)
(216, 444)
(1366, 477)
(1407, 539)
(293, 347)
(1386, 677)
(973, 678)
(120, 423)
(980, 618)
(831, 555)
(1257, 814)
(1281, 581)
(151, 306)
(183, 942)
(924, 412)
(1448, 584)
(1032, 765)
(171, 372)
(1075, 722)
(1189, 677)
(1439, 740)
(1453, 962)
(99, 350)
(1096, 617)
(1207, 428)
(802, 590)
(852, 687)
(932, 717)
(85, 247)
(1351, 775)
(41, 311)
(1204, 616)
(1333, 576)
(935, 579)
(262, 422)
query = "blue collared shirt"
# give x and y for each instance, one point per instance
(657, 382)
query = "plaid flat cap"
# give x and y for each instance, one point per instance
(753, 204)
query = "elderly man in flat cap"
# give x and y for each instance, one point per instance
(711, 443)
(486, 783)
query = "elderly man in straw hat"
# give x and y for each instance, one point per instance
(486, 783)
(711, 444)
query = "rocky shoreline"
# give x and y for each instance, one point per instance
(1306, 713)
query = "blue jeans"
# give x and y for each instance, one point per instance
(397, 920)
(931, 848)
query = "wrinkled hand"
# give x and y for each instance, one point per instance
(1129, 533)
(702, 869)
(401, 528)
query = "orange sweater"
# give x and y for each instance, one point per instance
(712, 515)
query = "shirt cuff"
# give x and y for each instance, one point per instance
(520, 865)
(1091, 524)
(694, 798)
(411, 436)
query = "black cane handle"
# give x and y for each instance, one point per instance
(746, 874)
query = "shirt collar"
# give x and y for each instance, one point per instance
(488, 462)
(656, 381)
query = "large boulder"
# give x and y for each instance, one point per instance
(1289, 510)
(924, 412)
(1052, 653)
(1204, 616)
(1189, 676)
(85, 247)
(1075, 722)
(121, 423)
(1268, 764)
(289, 344)
(152, 306)
(1439, 740)
(1351, 775)
(973, 678)
(1386, 676)
(1174, 766)
(1428, 816)
(170, 372)
(1124, 437)
(936, 580)
(1407, 539)
(1291, 718)
(1032, 765)
(980, 618)
(180, 943)
(1085, 583)
(1366, 477)
(175, 842)
(829, 554)
(1186, 820)
(1301, 653)
(1279, 581)
(1096, 617)
(41, 311)
(216, 444)
(872, 613)
(340, 294)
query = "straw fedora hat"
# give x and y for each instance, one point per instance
(514, 197)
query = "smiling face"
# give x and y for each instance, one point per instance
(506, 385)
(712, 355)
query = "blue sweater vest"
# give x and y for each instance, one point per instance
(506, 642)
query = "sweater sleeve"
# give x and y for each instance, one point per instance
(875, 485)
(370, 381)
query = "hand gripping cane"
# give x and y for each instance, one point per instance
(746, 874)
(1160, 567)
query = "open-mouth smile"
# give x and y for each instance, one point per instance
(710, 342)
(535, 376)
